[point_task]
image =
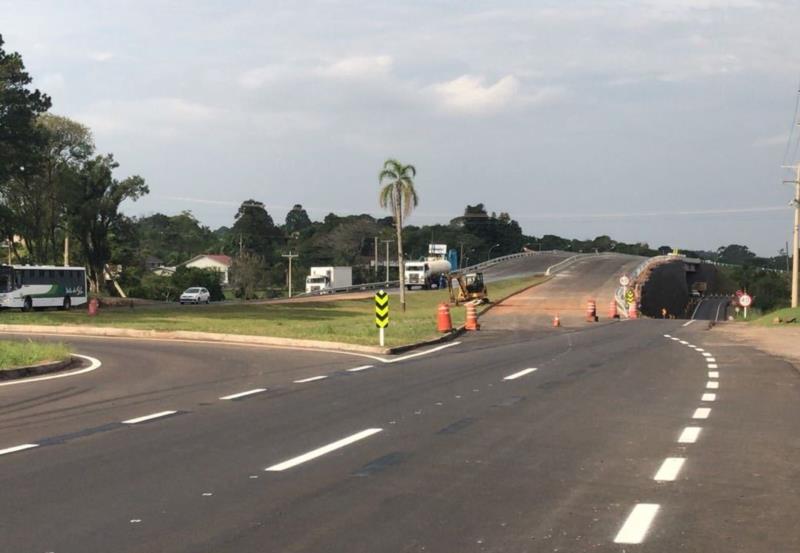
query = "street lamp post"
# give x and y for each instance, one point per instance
(488, 257)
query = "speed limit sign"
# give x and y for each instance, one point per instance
(745, 300)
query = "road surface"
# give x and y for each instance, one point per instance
(712, 309)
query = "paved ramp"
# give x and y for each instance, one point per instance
(593, 277)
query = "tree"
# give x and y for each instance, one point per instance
(255, 232)
(92, 207)
(297, 220)
(247, 273)
(20, 139)
(398, 194)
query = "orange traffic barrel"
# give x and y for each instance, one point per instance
(472, 318)
(444, 323)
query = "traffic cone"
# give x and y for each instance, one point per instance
(472, 318)
(591, 312)
(612, 310)
(633, 313)
(444, 323)
(556, 321)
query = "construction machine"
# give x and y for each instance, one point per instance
(471, 287)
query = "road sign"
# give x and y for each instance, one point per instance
(381, 309)
(745, 300)
(630, 297)
(624, 280)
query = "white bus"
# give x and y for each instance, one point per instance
(28, 286)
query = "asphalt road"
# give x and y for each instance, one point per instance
(466, 459)
(712, 309)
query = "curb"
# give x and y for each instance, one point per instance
(35, 370)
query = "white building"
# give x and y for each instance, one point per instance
(218, 263)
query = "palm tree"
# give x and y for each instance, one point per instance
(398, 194)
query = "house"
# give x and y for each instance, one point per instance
(212, 262)
(152, 263)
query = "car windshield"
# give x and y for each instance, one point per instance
(192, 291)
(316, 280)
(413, 267)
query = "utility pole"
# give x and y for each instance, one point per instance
(795, 230)
(376, 258)
(387, 242)
(290, 256)
(795, 237)
(66, 250)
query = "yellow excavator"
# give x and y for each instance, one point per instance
(471, 287)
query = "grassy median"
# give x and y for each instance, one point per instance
(14, 354)
(350, 321)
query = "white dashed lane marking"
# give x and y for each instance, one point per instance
(669, 469)
(689, 435)
(712, 385)
(146, 418)
(312, 379)
(319, 452)
(701, 413)
(244, 394)
(713, 366)
(706, 354)
(361, 368)
(713, 374)
(637, 524)
(519, 374)
(16, 448)
(709, 397)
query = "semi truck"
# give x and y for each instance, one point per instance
(427, 273)
(322, 279)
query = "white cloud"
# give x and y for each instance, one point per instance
(165, 117)
(101, 56)
(358, 66)
(470, 94)
(258, 77)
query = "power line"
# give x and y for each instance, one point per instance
(792, 128)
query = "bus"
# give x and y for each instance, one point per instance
(29, 286)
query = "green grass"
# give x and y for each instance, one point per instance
(785, 314)
(26, 353)
(350, 321)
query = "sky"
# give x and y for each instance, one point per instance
(661, 121)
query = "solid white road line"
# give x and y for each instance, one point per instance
(687, 323)
(243, 394)
(93, 365)
(520, 373)
(16, 448)
(709, 397)
(413, 355)
(637, 524)
(149, 417)
(669, 469)
(713, 374)
(701, 413)
(323, 450)
(712, 385)
(713, 366)
(696, 308)
(689, 435)
(312, 379)
(361, 368)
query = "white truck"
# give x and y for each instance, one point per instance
(322, 279)
(427, 273)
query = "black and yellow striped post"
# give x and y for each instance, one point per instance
(381, 313)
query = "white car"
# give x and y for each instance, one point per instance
(195, 295)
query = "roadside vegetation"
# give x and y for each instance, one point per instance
(788, 317)
(350, 321)
(14, 354)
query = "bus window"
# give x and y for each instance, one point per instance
(61, 274)
(41, 273)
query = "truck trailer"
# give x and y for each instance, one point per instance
(322, 279)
